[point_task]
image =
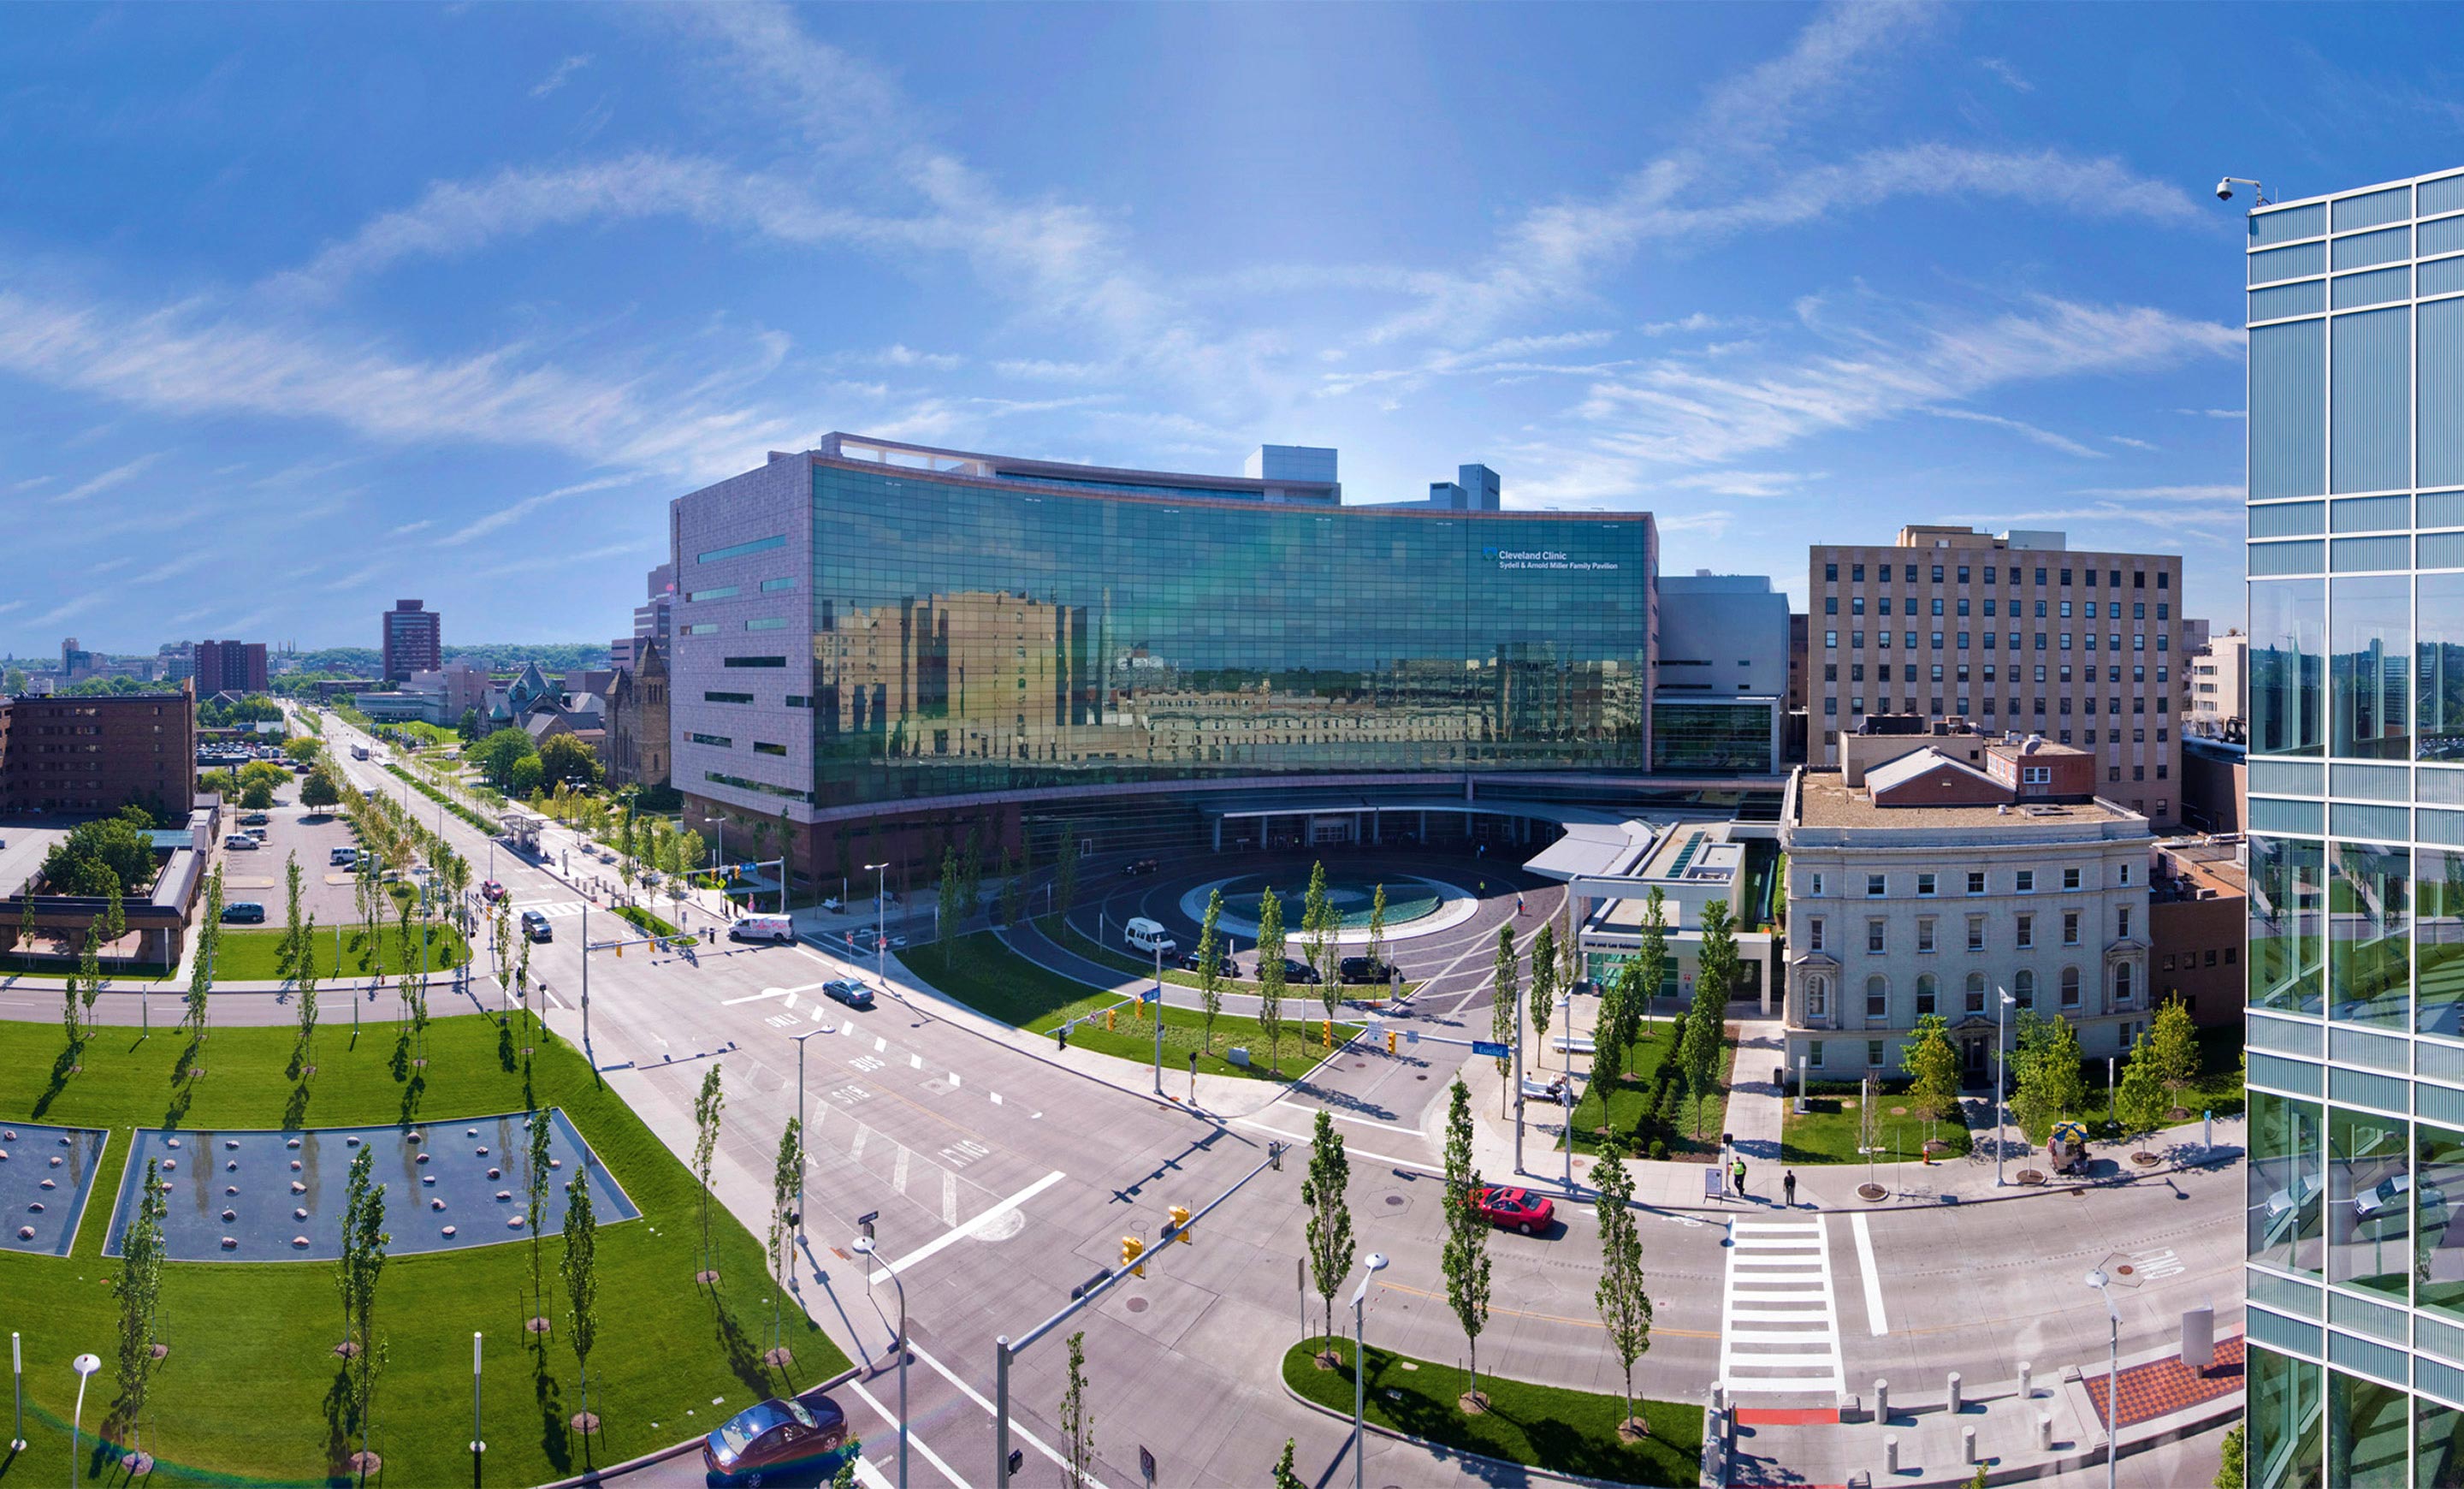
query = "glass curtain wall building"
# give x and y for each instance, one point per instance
(2356, 903)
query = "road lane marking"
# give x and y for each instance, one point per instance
(996, 1101)
(1873, 1275)
(880, 1046)
(915, 1062)
(1780, 1261)
(898, 1172)
(949, 1197)
(977, 1397)
(953, 1080)
(935, 1246)
(913, 1439)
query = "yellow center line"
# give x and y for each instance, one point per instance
(1551, 1318)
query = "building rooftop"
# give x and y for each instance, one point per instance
(2199, 868)
(1823, 800)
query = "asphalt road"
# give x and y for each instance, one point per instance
(1001, 1181)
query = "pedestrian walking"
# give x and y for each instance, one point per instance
(1788, 1188)
(1518, 904)
(1740, 1172)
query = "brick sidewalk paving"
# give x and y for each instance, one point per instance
(2160, 1387)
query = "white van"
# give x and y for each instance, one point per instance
(1147, 937)
(762, 927)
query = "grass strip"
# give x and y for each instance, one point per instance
(1546, 1427)
(249, 1387)
(255, 956)
(1832, 1129)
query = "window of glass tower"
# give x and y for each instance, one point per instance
(2287, 923)
(2287, 1185)
(2369, 649)
(2369, 973)
(2288, 624)
(970, 640)
(2439, 667)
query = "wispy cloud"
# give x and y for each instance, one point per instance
(533, 563)
(2020, 427)
(407, 528)
(115, 475)
(561, 73)
(506, 516)
(2010, 76)
(2131, 443)
(2214, 413)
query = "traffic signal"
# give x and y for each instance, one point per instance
(1390, 1041)
(1179, 1221)
(1327, 1032)
(1131, 1248)
(619, 951)
(1109, 1015)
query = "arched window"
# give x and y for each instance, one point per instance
(1976, 1003)
(2023, 988)
(2120, 984)
(2070, 987)
(1877, 997)
(1925, 994)
(1818, 996)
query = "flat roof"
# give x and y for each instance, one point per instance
(28, 841)
(1824, 801)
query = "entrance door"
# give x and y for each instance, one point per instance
(1972, 1051)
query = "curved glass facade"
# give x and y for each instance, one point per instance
(970, 638)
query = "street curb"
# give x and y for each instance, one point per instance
(1958, 1202)
(662, 1454)
(1438, 1450)
(2211, 1414)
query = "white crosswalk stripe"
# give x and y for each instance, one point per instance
(1779, 1280)
(553, 909)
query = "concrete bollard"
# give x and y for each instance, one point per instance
(1891, 1454)
(1968, 1446)
(2027, 1384)
(1950, 1392)
(2044, 1432)
(1881, 1403)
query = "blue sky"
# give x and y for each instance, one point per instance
(306, 308)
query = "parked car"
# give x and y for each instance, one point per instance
(1147, 937)
(854, 994)
(1514, 1210)
(1296, 970)
(535, 925)
(1225, 963)
(244, 912)
(241, 842)
(777, 1435)
(257, 833)
(491, 891)
(254, 819)
(833, 905)
(1363, 969)
(342, 857)
(1138, 866)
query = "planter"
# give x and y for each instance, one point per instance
(1871, 1193)
(2032, 1176)
(2145, 1160)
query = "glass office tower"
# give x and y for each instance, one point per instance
(2356, 957)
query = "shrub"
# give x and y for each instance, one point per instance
(1658, 1150)
(98, 856)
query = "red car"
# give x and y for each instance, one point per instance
(1518, 1210)
(491, 891)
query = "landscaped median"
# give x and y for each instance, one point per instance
(256, 956)
(249, 1390)
(1093, 951)
(1546, 1427)
(981, 971)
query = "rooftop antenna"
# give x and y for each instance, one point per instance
(2225, 193)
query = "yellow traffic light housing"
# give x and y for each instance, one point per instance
(1132, 1248)
(1327, 1032)
(1109, 1015)
(1179, 1222)
(1390, 1041)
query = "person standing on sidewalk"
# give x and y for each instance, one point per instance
(1740, 1172)
(1788, 1188)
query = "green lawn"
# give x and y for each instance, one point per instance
(248, 1386)
(988, 977)
(646, 923)
(1631, 1114)
(1566, 1432)
(257, 955)
(57, 972)
(1832, 1129)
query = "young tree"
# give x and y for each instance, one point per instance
(580, 1268)
(365, 1255)
(952, 900)
(115, 925)
(306, 988)
(2141, 1102)
(289, 958)
(1608, 1052)
(1375, 950)
(319, 790)
(1270, 977)
(1544, 984)
(2047, 1084)
(1077, 1420)
(1506, 1007)
(140, 1290)
(783, 1230)
(1624, 1304)
(1013, 889)
(688, 850)
(1465, 1255)
(2229, 1461)
(535, 1179)
(90, 969)
(1933, 1066)
(1318, 921)
(627, 843)
(1698, 1051)
(1651, 958)
(209, 933)
(1286, 1476)
(707, 1108)
(26, 920)
(2174, 1046)
(1329, 1238)
(1210, 965)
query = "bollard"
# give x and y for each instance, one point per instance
(1883, 1403)
(2044, 1432)
(2027, 1388)
(1891, 1454)
(1968, 1446)
(1951, 1392)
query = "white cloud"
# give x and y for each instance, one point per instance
(2009, 75)
(407, 528)
(900, 355)
(561, 73)
(532, 562)
(2134, 444)
(2026, 430)
(2214, 413)
(1744, 483)
(109, 478)
(2233, 495)
(506, 516)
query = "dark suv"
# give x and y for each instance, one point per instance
(1364, 970)
(1138, 866)
(535, 925)
(1224, 962)
(1299, 972)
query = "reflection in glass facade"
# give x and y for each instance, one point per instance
(975, 639)
(2356, 900)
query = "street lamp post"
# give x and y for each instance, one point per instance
(880, 921)
(1158, 1019)
(2001, 1079)
(864, 1247)
(799, 1126)
(17, 1379)
(85, 1365)
(478, 1444)
(2112, 1369)
(1360, 1370)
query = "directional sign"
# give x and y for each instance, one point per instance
(1152, 996)
(1494, 1051)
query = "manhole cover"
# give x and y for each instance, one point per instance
(1393, 1199)
(2124, 1269)
(1137, 1305)
(1360, 1065)
(1419, 1078)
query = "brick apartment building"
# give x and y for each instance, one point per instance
(91, 756)
(2016, 633)
(230, 667)
(414, 641)
(2196, 904)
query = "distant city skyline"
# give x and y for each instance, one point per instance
(459, 319)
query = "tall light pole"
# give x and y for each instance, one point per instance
(1360, 1370)
(2001, 1078)
(880, 920)
(2112, 1369)
(864, 1248)
(85, 1365)
(799, 1127)
(1159, 1018)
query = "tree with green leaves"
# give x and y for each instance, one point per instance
(783, 1230)
(1065, 871)
(1013, 888)
(306, 988)
(209, 935)
(317, 791)
(1376, 950)
(688, 857)
(2046, 1081)
(1506, 1006)
(140, 1290)
(1933, 1068)
(289, 956)
(1715, 966)
(1329, 1231)
(90, 971)
(2174, 1046)
(1318, 921)
(1270, 977)
(1077, 1420)
(707, 1110)
(627, 843)
(26, 920)
(1617, 996)
(1464, 1257)
(364, 1259)
(2140, 1103)
(535, 1182)
(1286, 1476)
(951, 899)
(2229, 1461)
(1210, 966)
(115, 925)
(1623, 1302)
(1651, 956)
(1544, 984)
(580, 1268)
(500, 944)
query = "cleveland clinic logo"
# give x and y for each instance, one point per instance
(1541, 558)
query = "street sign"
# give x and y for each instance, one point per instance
(1712, 1187)
(1152, 996)
(1146, 1463)
(1411, 1037)
(1488, 1048)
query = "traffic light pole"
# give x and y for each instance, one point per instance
(1085, 1295)
(588, 946)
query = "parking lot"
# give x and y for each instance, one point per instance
(324, 890)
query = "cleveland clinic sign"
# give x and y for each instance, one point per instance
(1544, 558)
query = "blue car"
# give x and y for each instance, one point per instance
(781, 1438)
